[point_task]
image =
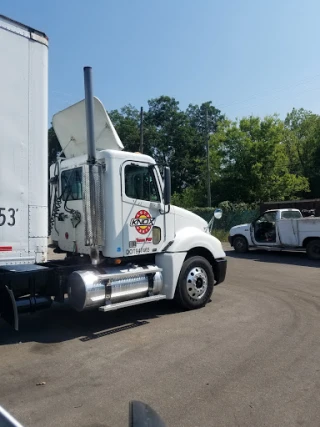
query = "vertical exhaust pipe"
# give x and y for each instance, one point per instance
(89, 114)
(92, 223)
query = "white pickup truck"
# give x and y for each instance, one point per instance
(279, 229)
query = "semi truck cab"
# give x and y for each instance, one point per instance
(110, 211)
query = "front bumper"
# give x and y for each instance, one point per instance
(230, 239)
(220, 270)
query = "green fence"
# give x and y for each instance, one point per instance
(229, 218)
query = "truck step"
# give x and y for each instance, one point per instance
(130, 273)
(130, 303)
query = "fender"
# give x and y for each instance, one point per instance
(242, 230)
(171, 265)
(191, 237)
(171, 261)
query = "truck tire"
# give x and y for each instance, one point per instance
(313, 249)
(195, 283)
(240, 244)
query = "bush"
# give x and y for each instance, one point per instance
(221, 235)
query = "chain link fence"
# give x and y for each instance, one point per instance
(229, 218)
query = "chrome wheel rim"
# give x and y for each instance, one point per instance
(197, 283)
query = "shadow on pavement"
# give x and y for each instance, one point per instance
(61, 323)
(279, 257)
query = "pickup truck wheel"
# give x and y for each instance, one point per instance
(313, 249)
(195, 283)
(240, 244)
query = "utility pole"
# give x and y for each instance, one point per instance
(208, 163)
(141, 131)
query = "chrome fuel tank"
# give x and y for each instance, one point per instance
(90, 289)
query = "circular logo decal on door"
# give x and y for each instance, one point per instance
(143, 222)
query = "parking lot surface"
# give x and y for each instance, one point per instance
(251, 357)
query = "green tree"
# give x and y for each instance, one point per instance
(174, 141)
(126, 121)
(191, 196)
(198, 117)
(303, 146)
(250, 160)
(254, 162)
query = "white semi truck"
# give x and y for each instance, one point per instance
(109, 210)
(279, 229)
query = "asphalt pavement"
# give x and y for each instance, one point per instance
(251, 357)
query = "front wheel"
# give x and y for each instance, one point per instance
(195, 283)
(240, 244)
(313, 249)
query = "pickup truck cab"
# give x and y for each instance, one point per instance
(279, 229)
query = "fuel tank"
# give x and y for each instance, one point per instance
(92, 289)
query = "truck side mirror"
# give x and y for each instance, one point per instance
(167, 186)
(218, 213)
(141, 414)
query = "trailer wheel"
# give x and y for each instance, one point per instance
(195, 283)
(313, 249)
(240, 244)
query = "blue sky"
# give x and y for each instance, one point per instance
(246, 56)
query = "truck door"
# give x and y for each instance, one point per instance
(142, 209)
(263, 230)
(69, 225)
(288, 228)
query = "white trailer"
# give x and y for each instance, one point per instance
(279, 229)
(24, 149)
(110, 210)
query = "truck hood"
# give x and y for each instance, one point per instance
(184, 218)
(71, 129)
(234, 230)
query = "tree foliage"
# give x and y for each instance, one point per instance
(251, 160)
(254, 163)
(303, 146)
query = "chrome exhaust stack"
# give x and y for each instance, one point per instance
(89, 115)
(91, 216)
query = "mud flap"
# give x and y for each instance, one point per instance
(9, 310)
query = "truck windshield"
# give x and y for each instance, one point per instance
(290, 215)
